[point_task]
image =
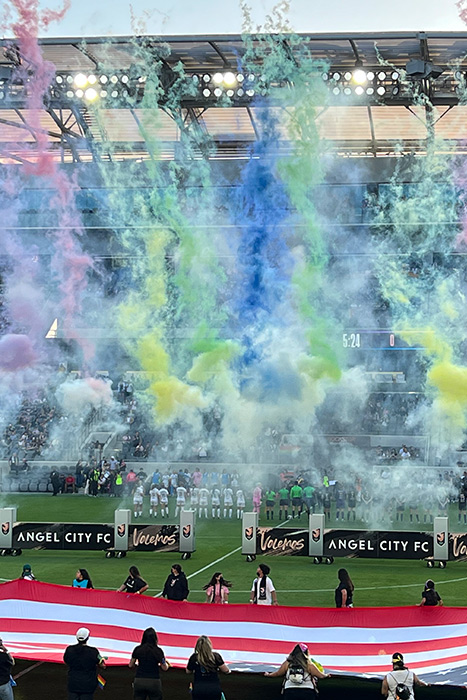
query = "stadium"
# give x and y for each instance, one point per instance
(231, 332)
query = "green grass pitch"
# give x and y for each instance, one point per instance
(297, 580)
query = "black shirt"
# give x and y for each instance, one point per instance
(176, 587)
(5, 668)
(82, 672)
(134, 584)
(431, 596)
(204, 675)
(149, 659)
(338, 595)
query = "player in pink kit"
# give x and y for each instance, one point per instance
(257, 494)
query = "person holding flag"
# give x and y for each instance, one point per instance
(83, 664)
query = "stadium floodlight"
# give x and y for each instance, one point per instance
(418, 69)
(206, 92)
(104, 79)
(124, 79)
(382, 75)
(206, 78)
(90, 94)
(359, 76)
(370, 75)
(336, 76)
(217, 78)
(114, 79)
(103, 93)
(92, 79)
(217, 92)
(348, 76)
(381, 90)
(240, 78)
(230, 93)
(229, 79)
(240, 92)
(79, 93)
(80, 80)
(359, 90)
(250, 92)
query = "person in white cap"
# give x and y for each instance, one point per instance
(83, 663)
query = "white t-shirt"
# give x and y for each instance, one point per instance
(181, 495)
(154, 496)
(138, 495)
(240, 498)
(269, 589)
(216, 497)
(194, 496)
(203, 497)
(228, 496)
(400, 676)
(163, 495)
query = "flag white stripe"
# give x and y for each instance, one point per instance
(88, 615)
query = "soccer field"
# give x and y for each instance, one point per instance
(298, 581)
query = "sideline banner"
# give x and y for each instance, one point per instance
(39, 620)
(370, 544)
(92, 536)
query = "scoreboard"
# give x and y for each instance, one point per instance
(377, 339)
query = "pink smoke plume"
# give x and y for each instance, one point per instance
(70, 264)
(16, 352)
(462, 7)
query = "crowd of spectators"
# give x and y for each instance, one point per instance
(27, 436)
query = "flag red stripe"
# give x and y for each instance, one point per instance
(372, 618)
(114, 632)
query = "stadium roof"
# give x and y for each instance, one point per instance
(390, 123)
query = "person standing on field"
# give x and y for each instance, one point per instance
(262, 590)
(83, 664)
(296, 496)
(6, 664)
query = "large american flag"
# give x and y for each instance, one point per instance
(38, 620)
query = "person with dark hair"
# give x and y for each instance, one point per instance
(176, 585)
(133, 583)
(344, 592)
(399, 684)
(296, 493)
(429, 595)
(83, 664)
(262, 590)
(205, 664)
(148, 658)
(6, 664)
(301, 674)
(217, 590)
(27, 573)
(82, 579)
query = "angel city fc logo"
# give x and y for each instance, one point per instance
(316, 534)
(186, 531)
(249, 533)
(441, 538)
(121, 529)
(5, 528)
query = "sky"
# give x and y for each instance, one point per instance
(200, 17)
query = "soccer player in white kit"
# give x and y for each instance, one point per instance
(216, 503)
(203, 501)
(138, 494)
(228, 501)
(240, 496)
(164, 501)
(181, 498)
(153, 500)
(194, 497)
